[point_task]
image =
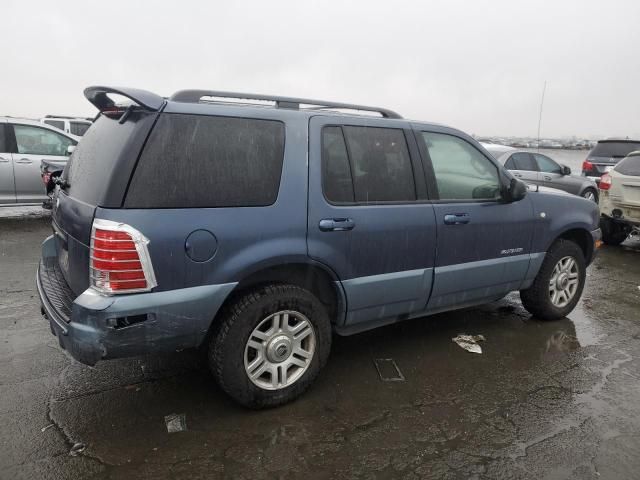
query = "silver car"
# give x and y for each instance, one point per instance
(23, 145)
(538, 169)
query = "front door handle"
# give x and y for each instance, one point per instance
(336, 224)
(519, 175)
(24, 160)
(457, 218)
(4, 160)
(547, 178)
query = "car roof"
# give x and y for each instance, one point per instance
(618, 140)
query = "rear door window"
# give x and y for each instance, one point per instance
(521, 161)
(3, 141)
(33, 140)
(207, 161)
(380, 164)
(629, 166)
(55, 123)
(337, 182)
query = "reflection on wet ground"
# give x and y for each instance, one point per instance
(544, 399)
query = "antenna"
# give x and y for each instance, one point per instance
(540, 116)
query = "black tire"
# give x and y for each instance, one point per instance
(612, 232)
(227, 345)
(536, 298)
(591, 191)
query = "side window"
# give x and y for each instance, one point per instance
(380, 164)
(3, 142)
(523, 161)
(55, 123)
(194, 161)
(336, 173)
(461, 171)
(510, 164)
(40, 141)
(78, 128)
(546, 164)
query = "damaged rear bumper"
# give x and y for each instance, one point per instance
(96, 327)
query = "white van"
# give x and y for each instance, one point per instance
(71, 125)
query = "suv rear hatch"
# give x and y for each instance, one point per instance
(606, 154)
(97, 174)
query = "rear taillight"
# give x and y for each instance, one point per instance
(45, 178)
(587, 166)
(605, 182)
(120, 261)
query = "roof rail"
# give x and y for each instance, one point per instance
(98, 96)
(194, 96)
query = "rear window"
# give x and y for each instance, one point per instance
(55, 123)
(614, 149)
(629, 166)
(100, 165)
(78, 128)
(205, 161)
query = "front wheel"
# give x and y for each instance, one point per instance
(270, 345)
(559, 283)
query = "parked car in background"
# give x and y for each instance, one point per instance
(604, 156)
(23, 146)
(255, 232)
(539, 169)
(71, 125)
(620, 200)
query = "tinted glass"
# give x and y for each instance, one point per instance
(546, 164)
(78, 128)
(336, 173)
(40, 141)
(3, 142)
(629, 166)
(522, 161)
(203, 161)
(380, 164)
(461, 171)
(55, 123)
(614, 149)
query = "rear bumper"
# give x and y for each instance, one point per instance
(94, 330)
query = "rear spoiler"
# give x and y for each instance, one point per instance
(98, 97)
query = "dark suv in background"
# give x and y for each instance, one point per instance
(604, 156)
(256, 231)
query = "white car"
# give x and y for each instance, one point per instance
(75, 127)
(23, 146)
(620, 200)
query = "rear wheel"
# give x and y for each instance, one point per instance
(613, 233)
(590, 194)
(270, 345)
(559, 283)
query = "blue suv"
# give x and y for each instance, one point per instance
(254, 227)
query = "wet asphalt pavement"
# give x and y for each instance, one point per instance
(544, 400)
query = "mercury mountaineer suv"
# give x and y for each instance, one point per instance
(255, 230)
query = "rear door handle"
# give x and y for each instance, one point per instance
(547, 178)
(4, 160)
(519, 175)
(457, 218)
(24, 160)
(336, 224)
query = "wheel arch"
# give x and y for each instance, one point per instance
(582, 238)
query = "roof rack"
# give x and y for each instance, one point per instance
(194, 96)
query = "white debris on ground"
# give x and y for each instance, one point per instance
(469, 342)
(176, 422)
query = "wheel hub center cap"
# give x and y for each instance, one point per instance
(279, 348)
(563, 281)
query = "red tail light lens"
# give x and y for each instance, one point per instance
(45, 178)
(120, 261)
(587, 166)
(605, 182)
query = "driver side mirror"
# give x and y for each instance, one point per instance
(565, 170)
(515, 191)
(70, 150)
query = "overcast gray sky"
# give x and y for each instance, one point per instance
(479, 66)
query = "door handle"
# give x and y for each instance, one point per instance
(4, 160)
(457, 218)
(519, 175)
(547, 178)
(336, 224)
(24, 160)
